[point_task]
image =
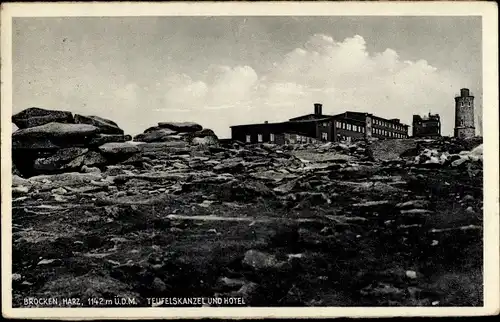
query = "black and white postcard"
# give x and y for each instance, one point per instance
(249, 159)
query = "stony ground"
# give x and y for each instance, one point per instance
(308, 226)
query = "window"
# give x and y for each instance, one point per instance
(362, 130)
(355, 128)
(259, 137)
(349, 127)
(325, 124)
(339, 124)
(248, 139)
(324, 136)
(271, 137)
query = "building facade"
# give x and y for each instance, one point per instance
(464, 115)
(348, 126)
(427, 126)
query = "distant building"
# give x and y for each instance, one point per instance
(347, 126)
(464, 115)
(427, 126)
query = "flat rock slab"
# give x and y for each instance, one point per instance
(181, 126)
(66, 179)
(101, 139)
(105, 126)
(119, 148)
(35, 116)
(55, 129)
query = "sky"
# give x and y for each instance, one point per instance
(222, 71)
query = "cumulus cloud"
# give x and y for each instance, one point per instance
(342, 75)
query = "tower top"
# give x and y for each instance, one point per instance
(464, 92)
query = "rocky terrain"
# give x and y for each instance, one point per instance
(176, 213)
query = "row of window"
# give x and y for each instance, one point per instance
(388, 124)
(350, 127)
(388, 133)
(324, 135)
(260, 138)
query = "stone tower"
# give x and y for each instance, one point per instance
(464, 115)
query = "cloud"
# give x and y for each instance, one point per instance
(342, 75)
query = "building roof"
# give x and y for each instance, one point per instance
(314, 116)
(253, 124)
(355, 116)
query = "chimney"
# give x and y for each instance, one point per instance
(265, 122)
(318, 109)
(464, 92)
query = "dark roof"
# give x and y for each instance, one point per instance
(254, 124)
(355, 116)
(314, 116)
(324, 118)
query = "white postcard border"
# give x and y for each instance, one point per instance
(491, 161)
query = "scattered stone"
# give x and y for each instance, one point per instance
(231, 282)
(411, 274)
(86, 169)
(158, 285)
(260, 260)
(49, 261)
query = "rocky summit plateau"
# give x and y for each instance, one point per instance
(176, 212)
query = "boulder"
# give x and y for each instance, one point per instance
(181, 126)
(120, 148)
(204, 133)
(260, 260)
(205, 141)
(60, 160)
(35, 116)
(105, 126)
(160, 135)
(101, 139)
(93, 159)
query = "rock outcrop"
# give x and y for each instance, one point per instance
(189, 132)
(50, 141)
